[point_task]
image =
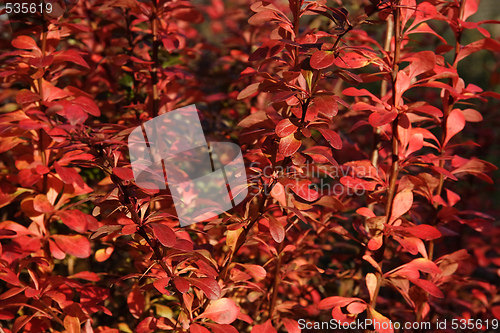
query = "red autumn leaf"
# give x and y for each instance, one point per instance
(289, 145)
(164, 234)
(71, 324)
(24, 42)
(326, 104)
(291, 325)
(424, 231)
(429, 287)
(77, 220)
(496, 311)
(87, 105)
(136, 302)
(472, 116)
(9, 276)
(332, 137)
(262, 17)
(76, 245)
(75, 114)
(258, 272)
(221, 328)
(371, 284)
(381, 118)
(276, 228)
(195, 328)
(403, 82)
(248, 91)
(102, 255)
(352, 60)
(69, 175)
(85, 275)
(209, 286)
(382, 324)
(71, 56)
(301, 188)
(56, 250)
(222, 311)
(181, 284)
(41, 204)
(26, 96)
(285, 127)
(366, 212)
(402, 203)
(356, 307)
(322, 59)
(337, 301)
(267, 327)
(124, 173)
(162, 284)
(190, 14)
(454, 124)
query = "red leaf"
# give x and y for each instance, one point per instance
(164, 234)
(76, 245)
(69, 175)
(181, 284)
(87, 105)
(496, 311)
(378, 119)
(209, 286)
(285, 127)
(221, 328)
(222, 311)
(124, 173)
(472, 115)
(352, 60)
(56, 250)
(366, 212)
(71, 56)
(41, 204)
(402, 203)
(162, 284)
(26, 96)
(371, 284)
(262, 17)
(356, 307)
(291, 325)
(454, 124)
(337, 301)
(429, 287)
(136, 302)
(195, 328)
(77, 220)
(258, 272)
(332, 137)
(403, 82)
(276, 228)
(24, 42)
(382, 324)
(326, 104)
(322, 59)
(267, 327)
(289, 145)
(301, 188)
(424, 231)
(248, 91)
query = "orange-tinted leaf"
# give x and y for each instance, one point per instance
(371, 284)
(24, 42)
(162, 284)
(402, 203)
(102, 255)
(136, 302)
(291, 325)
(76, 245)
(454, 124)
(222, 311)
(72, 324)
(41, 204)
(301, 188)
(381, 323)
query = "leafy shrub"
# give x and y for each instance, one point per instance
(366, 201)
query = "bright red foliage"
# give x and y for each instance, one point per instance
(365, 198)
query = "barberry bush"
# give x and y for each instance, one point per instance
(369, 154)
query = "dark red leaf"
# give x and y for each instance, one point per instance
(285, 127)
(209, 286)
(69, 175)
(181, 284)
(424, 231)
(289, 145)
(71, 56)
(164, 234)
(332, 137)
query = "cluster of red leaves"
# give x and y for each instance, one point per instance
(354, 160)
